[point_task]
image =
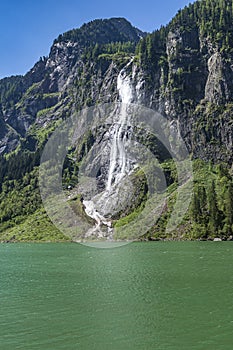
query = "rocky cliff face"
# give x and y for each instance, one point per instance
(193, 85)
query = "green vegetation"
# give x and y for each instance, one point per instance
(35, 228)
(212, 18)
(77, 206)
(11, 90)
(210, 214)
(44, 111)
(18, 199)
(212, 191)
(151, 50)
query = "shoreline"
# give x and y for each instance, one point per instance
(135, 241)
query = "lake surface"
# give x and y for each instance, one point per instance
(145, 296)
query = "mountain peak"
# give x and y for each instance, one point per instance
(103, 31)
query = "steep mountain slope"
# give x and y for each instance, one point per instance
(46, 85)
(184, 71)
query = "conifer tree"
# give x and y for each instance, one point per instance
(196, 209)
(229, 208)
(214, 214)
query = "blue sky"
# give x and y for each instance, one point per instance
(28, 27)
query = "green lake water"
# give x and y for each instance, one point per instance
(145, 296)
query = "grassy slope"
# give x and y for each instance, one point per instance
(36, 226)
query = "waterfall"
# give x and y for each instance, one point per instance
(90, 210)
(119, 164)
(118, 159)
(94, 214)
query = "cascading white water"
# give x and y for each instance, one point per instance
(119, 164)
(94, 214)
(118, 159)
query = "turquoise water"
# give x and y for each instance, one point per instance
(147, 296)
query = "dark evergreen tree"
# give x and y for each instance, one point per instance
(229, 209)
(214, 214)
